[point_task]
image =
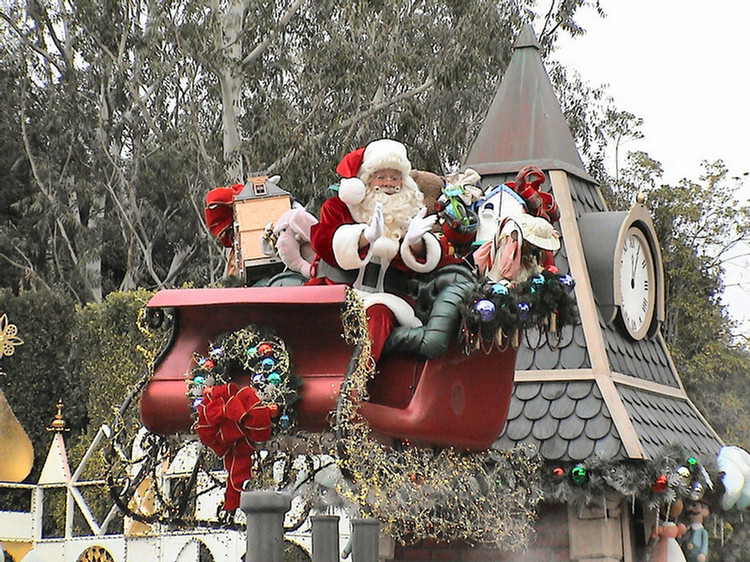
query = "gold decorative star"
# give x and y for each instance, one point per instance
(8, 337)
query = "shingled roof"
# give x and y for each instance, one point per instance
(592, 389)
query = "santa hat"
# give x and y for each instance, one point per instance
(358, 165)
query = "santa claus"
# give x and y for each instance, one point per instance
(376, 235)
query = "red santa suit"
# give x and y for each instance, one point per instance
(336, 241)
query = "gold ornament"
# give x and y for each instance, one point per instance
(8, 337)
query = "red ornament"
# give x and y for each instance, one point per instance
(274, 409)
(660, 484)
(553, 270)
(558, 472)
(208, 364)
(265, 349)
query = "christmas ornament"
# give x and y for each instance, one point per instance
(274, 379)
(268, 363)
(578, 475)
(499, 289)
(558, 472)
(486, 310)
(696, 491)
(567, 282)
(684, 473)
(552, 269)
(660, 484)
(523, 311)
(264, 349)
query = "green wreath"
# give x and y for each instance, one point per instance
(254, 357)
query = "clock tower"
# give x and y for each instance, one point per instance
(609, 386)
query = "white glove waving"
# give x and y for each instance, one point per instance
(374, 230)
(419, 226)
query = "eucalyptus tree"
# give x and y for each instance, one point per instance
(129, 111)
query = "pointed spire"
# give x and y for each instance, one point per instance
(525, 124)
(56, 469)
(58, 424)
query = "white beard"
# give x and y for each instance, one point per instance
(398, 208)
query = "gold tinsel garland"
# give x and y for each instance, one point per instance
(417, 493)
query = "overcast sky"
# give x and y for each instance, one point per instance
(684, 67)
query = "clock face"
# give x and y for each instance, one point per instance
(637, 283)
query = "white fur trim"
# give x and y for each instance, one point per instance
(351, 191)
(385, 248)
(401, 309)
(433, 253)
(346, 246)
(382, 154)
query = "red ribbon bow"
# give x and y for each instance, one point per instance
(231, 420)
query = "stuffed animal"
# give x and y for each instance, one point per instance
(431, 186)
(290, 239)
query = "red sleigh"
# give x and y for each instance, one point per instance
(452, 400)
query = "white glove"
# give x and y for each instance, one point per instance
(418, 227)
(375, 229)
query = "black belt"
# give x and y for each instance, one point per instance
(396, 281)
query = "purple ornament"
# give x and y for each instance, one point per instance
(258, 379)
(567, 282)
(486, 309)
(197, 402)
(523, 311)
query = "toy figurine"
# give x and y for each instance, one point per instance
(695, 540)
(664, 545)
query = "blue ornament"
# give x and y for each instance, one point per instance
(258, 379)
(197, 402)
(268, 363)
(567, 282)
(523, 311)
(284, 421)
(251, 351)
(486, 309)
(199, 379)
(216, 352)
(274, 379)
(499, 289)
(537, 280)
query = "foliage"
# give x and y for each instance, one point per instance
(109, 350)
(122, 115)
(37, 375)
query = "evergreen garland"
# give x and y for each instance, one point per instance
(495, 312)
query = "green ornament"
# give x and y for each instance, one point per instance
(692, 463)
(578, 475)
